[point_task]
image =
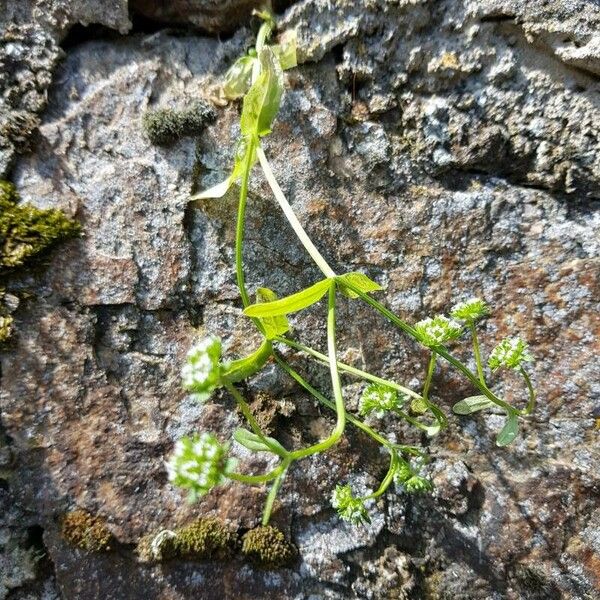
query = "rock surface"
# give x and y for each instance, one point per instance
(447, 149)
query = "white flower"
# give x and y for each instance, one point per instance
(201, 373)
(470, 310)
(510, 353)
(437, 331)
(198, 463)
(379, 398)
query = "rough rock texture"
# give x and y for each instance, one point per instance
(448, 149)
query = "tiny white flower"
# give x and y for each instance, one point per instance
(201, 373)
(472, 309)
(510, 353)
(437, 331)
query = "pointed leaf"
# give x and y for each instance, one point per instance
(509, 432)
(238, 78)
(241, 369)
(472, 404)
(253, 442)
(274, 326)
(216, 191)
(241, 161)
(292, 303)
(261, 103)
(358, 280)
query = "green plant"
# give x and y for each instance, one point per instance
(200, 463)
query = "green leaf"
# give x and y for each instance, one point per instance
(358, 280)
(241, 369)
(253, 442)
(274, 326)
(261, 103)
(509, 432)
(285, 51)
(472, 404)
(292, 303)
(238, 78)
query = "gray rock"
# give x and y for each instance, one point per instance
(447, 149)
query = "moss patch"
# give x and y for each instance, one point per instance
(203, 539)
(26, 231)
(166, 126)
(267, 546)
(86, 531)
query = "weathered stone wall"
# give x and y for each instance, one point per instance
(446, 148)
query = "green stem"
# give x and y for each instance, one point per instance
(477, 352)
(256, 479)
(291, 216)
(440, 350)
(351, 418)
(429, 377)
(347, 368)
(241, 219)
(532, 395)
(385, 484)
(369, 377)
(340, 409)
(251, 420)
(268, 509)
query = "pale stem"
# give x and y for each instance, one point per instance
(291, 216)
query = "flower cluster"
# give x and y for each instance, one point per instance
(470, 310)
(510, 353)
(198, 464)
(201, 373)
(410, 479)
(437, 331)
(380, 398)
(348, 507)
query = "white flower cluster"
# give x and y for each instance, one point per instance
(471, 310)
(201, 373)
(379, 398)
(198, 464)
(510, 353)
(348, 507)
(437, 331)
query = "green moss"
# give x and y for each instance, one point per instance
(268, 547)
(6, 322)
(203, 539)
(86, 531)
(26, 231)
(165, 126)
(206, 538)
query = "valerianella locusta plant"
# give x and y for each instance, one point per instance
(199, 463)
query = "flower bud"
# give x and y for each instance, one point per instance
(348, 507)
